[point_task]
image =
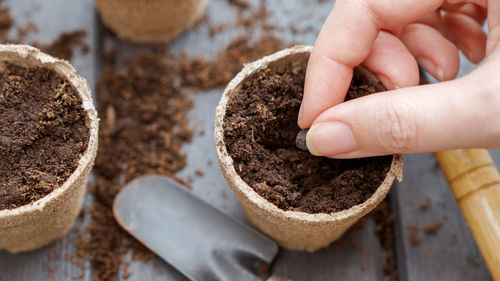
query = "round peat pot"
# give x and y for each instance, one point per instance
(293, 230)
(150, 21)
(43, 221)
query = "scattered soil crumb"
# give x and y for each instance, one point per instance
(24, 30)
(242, 4)
(425, 205)
(433, 228)
(63, 46)
(384, 219)
(54, 254)
(199, 172)
(6, 21)
(205, 74)
(473, 260)
(144, 124)
(51, 269)
(125, 270)
(48, 138)
(249, 17)
(363, 266)
(414, 239)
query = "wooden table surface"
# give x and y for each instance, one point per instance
(450, 255)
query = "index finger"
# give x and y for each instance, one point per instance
(345, 41)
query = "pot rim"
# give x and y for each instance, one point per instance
(226, 160)
(34, 57)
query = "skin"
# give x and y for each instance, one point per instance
(455, 113)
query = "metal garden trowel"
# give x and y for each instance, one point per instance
(200, 241)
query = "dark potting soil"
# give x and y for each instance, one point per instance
(62, 47)
(384, 227)
(6, 21)
(143, 128)
(207, 74)
(260, 129)
(42, 133)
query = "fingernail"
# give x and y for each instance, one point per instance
(473, 58)
(469, 55)
(330, 138)
(440, 74)
(300, 114)
(387, 83)
(428, 65)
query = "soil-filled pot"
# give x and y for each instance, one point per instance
(47, 148)
(302, 201)
(149, 21)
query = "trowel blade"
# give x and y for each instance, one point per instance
(194, 237)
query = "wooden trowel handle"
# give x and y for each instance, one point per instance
(475, 181)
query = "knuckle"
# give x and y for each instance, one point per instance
(397, 128)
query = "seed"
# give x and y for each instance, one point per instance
(300, 140)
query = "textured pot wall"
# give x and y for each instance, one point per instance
(149, 21)
(292, 230)
(37, 224)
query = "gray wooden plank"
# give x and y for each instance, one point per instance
(52, 18)
(345, 262)
(452, 254)
(446, 255)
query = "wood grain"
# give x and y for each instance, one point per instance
(475, 182)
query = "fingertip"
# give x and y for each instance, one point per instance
(331, 138)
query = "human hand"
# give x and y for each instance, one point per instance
(390, 37)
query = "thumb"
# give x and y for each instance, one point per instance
(456, 114)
